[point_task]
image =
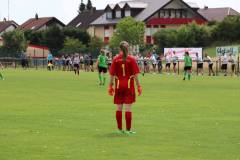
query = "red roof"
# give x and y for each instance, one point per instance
(37, 23)
(217, 14)
(5, 24)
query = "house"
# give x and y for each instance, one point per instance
(217, 14)
(37, 24)
(156, 14)
(85, 18)
(6, 26)
(36, 51)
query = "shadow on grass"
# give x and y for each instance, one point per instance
(113, 135)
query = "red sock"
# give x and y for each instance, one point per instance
(119, 119)
(128, 117)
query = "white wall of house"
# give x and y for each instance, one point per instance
(10, 28)
(177, 4)
(46, 27)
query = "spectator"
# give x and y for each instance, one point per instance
(199, 64)
(168, 63)
(63, 62)
(81, 61)
(175, 61)
(210, 64)
(233, 61)
(224, 60)
(86, 62)
(109, 59)
(24, 61)
(50, 61)
(159, 63)
(76, 63)
(91, 63)
(154, 62)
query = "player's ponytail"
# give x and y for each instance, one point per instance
(124, 49)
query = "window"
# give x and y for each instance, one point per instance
(148, 31)
(162, 13)
(106, 40)
(173, 13)
(106, 31)
(148, 39)
(78, 24)
(168, 13)
(163, 26)
(109, 15)
(178, 14)
(154, 29)
(127, 13)
(183, 14)
(118, 14)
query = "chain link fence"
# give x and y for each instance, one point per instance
(145, 66)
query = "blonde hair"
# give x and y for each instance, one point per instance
(124, 49)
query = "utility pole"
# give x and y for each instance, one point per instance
(8, 10)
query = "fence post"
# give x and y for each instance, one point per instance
(216, 68)
(238, 67)
(35, 61)
(178, 68)
(43, 58)
(197, 68)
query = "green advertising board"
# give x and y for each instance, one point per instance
(221, 51)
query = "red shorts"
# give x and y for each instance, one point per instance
(124, 96)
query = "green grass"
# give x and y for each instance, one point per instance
(57, 116)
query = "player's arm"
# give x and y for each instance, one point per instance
(111, 81)
(136, 71)
(139, 87)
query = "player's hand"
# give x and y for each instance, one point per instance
(110, 90)
(139, 90)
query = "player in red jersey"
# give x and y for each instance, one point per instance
(124, 70)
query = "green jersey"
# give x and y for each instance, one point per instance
(102, 61)
(188, 61)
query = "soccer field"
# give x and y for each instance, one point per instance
(58, 116)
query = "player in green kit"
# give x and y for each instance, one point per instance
(187, 66)
(102, 67)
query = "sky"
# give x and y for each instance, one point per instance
(65, 10)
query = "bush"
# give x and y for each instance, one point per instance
(165, 38)
(227, 30)
(14, 42)
(191, 35)
(72, 46)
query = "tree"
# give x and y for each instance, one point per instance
(227, 30)
(95, 46)
(165, 38)
(34, 37)
(89, 5)
(14, 42)
(130, 30)
(82, 7)
(193, 35)
(72, 46)
(77, 33)
(53, 38)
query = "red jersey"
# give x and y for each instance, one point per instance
(124, 71)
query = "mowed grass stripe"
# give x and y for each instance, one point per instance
(56, 115)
